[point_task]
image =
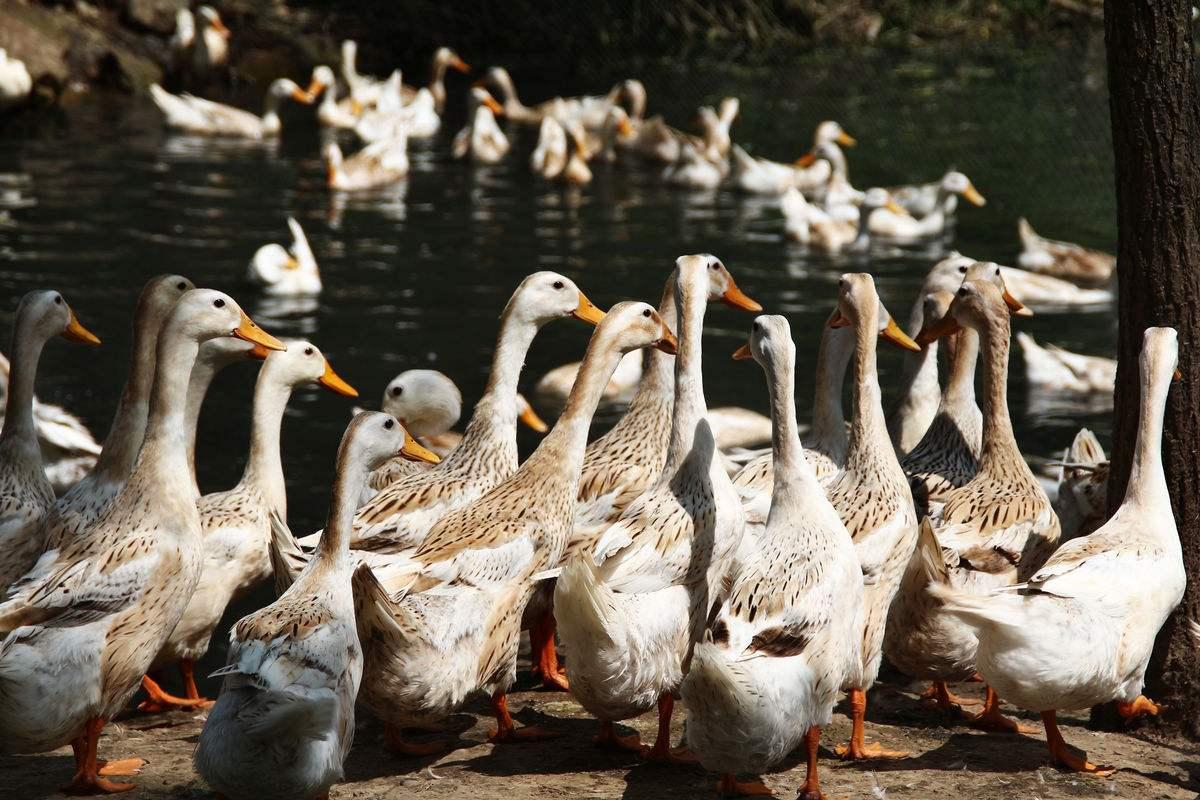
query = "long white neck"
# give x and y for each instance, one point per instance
(128, 430)
(334, 547)
(264, 468)
(999, 443)
(270, 118)
(1147, 487)
(690, 408)
(164, 455)
(794, 478)
(867, 427)
(833, 356)
(19, 424)
(960, 387)
(658, 368)
(203, 372)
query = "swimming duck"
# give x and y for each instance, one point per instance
(922, 199)
(1079, 630)
(284, 722)
(457, 612)
(512, 107)
(993, 532)
(1072, 262)
(198, 56)
(482, 138)
(808, 224)
(331, 113)
(287, 272)
(393, 118)
(195, 115)
(549, 157)
(907, 228)
(61, 682)
(1047, 292)
(872, 497)
(1054, 369)
(443, 58)
(663, 561)
(25, 493)
(15, 82)
(379, 164)
(364, 88)
(236, 523)
(1081, 501)
(694, 169)
(779, 647)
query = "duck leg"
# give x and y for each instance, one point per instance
(990, 719)
(187, 669)
(88, 778)
(545, 654)
(1142, 706)
(506, 729)
(811, 790)
(160, 700)
(940, 695)
(395, 741)
(609, 739)
(661, 751)
(729, 786)
(1064, 757)
(857, 749)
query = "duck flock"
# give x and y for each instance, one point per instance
(667, 562)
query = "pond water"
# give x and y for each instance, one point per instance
(95, 204)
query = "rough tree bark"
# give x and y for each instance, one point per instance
(1156, 138)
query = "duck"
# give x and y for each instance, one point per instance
(1072, 262)
(1080, 628)
(760, 175)
(401, 515)
(779, 647)
(482, 138)
(695, 169)
(872, 497)
(25, 493)
(549, 157)
(456, 612)
(429, 404)
(1081, 501)
(364, 88)
(127, 588)
(236, 523)
(331, 113)
(69, 449)
(511, 106)
(664, 559)
(286, 272)
(992, 532)
(807, 224)
(595, 112)
(393, 117)
(551, 391)
(443, 58)
(655, 140)
(922, 199)
(816, 169)
(196, 115)
(198, 56)
(808, 174)
(380, 164)
(1053, 369)
(907, 228)
(284, 722)
(1045, 292)
(15, 82)
(947, 456)
(628, 459)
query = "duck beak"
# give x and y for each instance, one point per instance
(806, 160)
(531, 420)
(414, 451)
(736, 298)
(291, 263)
(838, 320)
(333, 382)
(1177, 376)
(495, 107)
(896, 208)
(314, 89)
(946, 326)
(668, 343)
(586, 311)
(301, 96)
(973, 197)
(743, 353)
(625, 127)
(249, 332)
(846, 140)
(356, 107)
(460, 65)
(898, 337)
(220, 28)
(75, 332)
(258, 353)
(1015, 306)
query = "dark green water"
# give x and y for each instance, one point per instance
(417, 276)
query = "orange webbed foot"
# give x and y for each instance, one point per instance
(992, 720)
(122, 768)
(529, 733)
(867, 752)
(556, 681)
(1063, 757)
(609, 739)
(939, 694)
(1142, 706)
(668, 755)
(83, 784)
(729, 786)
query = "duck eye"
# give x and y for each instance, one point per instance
(962, 270)
(646, 313)
(962, 292)
(757, 327)
(58, 299)
(219, 303)
(397, 391)
(308, 351)
(558, 284)
(714, 265)
(389, 423)
(181, 286)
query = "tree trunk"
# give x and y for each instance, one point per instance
(1156, 138)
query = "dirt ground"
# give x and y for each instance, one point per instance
(947, 760)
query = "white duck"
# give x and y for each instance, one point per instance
(1047, 292)
(392, 118)
(1072, 262)
(482, 138)
(552, 389)
(443, 58)
(695, 169)
(806, 223)
(15, 82)
(1081, 501)
(125, 589)
(284, 722)
(379, 164)
(921, 199)
(331, 113)
(195, 115)
(907, 228)
(236, 523)
(1080, 630)
(286, 272)
(549, 157)
(366, 89)
(779, 647)
(631, 609)
(1052, 369)
(198, 56)
(25, 493)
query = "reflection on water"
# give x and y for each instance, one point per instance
(416, 275)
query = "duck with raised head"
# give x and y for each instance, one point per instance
(331, 113)
(1079, 630)
(993, 532)
(806, 223)
(807, 174)
(196, 56)
(889, 225)
(452, 625)
(482, 138)
(872, 497)
(378, 164)
(922, 199)
(365, 89)
(26, 495)
(633, 606)
(236, 524)
(78, 642)
(779, 647)
(443, 59)
(196, 115)
(287, 272)
(1072, 262)
(284, 722)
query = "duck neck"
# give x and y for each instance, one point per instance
(334, 546)
(867, 426)
(960, 387)
(203, 372)
(19, 424)
(124, 439)
(264, 468)
(690, 409)
(791, 470)
(829, 419)
(658, 368)
(1147, 485)
(999, 443)
(437, 84)
(164, 455)
(270, 118)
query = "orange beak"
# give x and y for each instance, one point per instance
(220, 28)
(301, 96)
(1177, 376)
(314, 89)
(531, 420)
(668, 343)
(414, 451)
(898, 337)
(807, 160)
(495, 107)
(259, 353)
(332, 381)
(946, 326)
(460, 65)
(249, 332)
(736, 298)
(1015, 306)
(743, 353)
(75, 332)
(586, 311)
(846, 140)
(625, 127)
(972, 196)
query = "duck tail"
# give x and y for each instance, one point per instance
(1029, 237)
(1085, 449)
(929, 558)
(981, 612)
(716, 684)
(287, 558)
(583, 604)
